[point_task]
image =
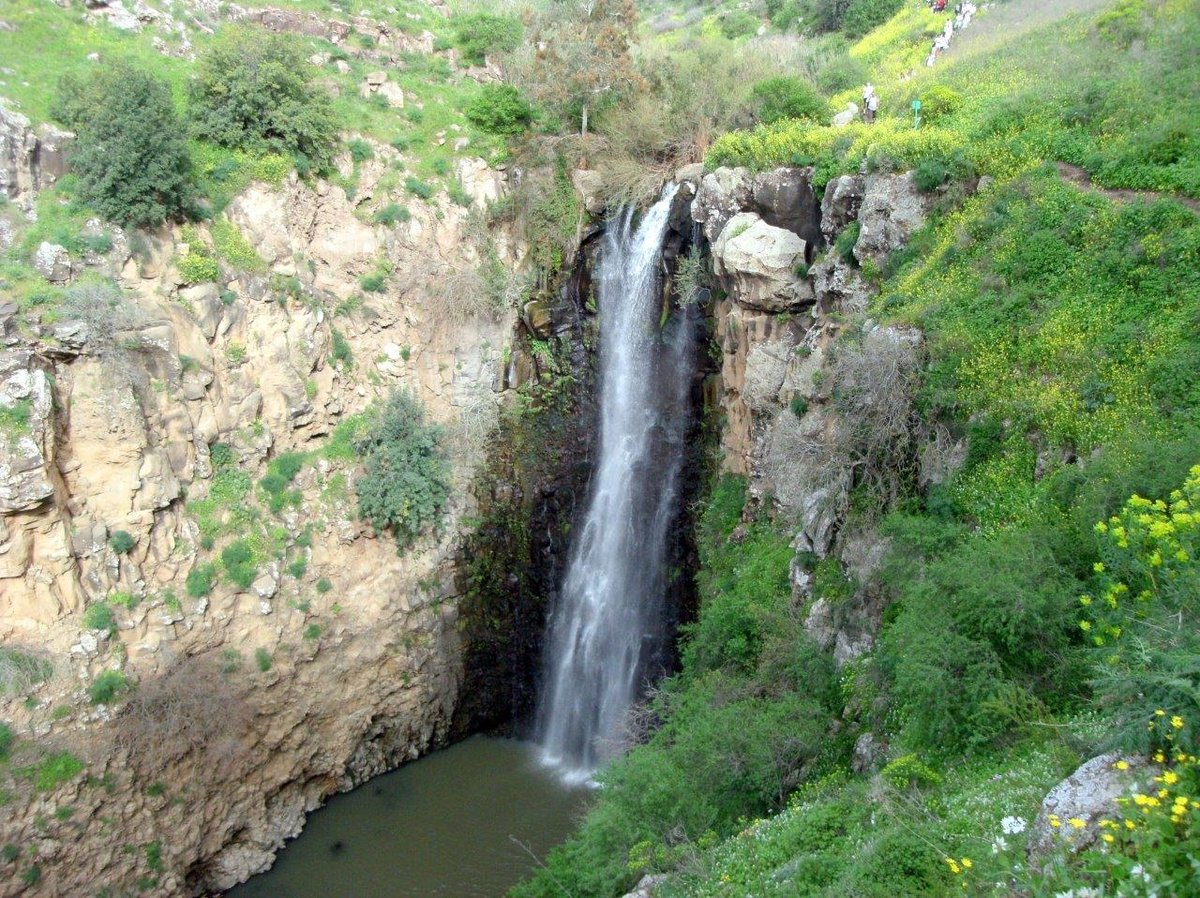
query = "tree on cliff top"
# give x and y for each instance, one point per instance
(582, 56)
(251, 91)
(131, 158)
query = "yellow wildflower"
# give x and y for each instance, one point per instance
(1077, 823)
(1122, 765)
(1177, 722)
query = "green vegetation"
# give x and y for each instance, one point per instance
(6, 741)
(478, 34)
(108, 685)
(787, 97)
(54, 770)
(263, 659)
(131, 157)
(251, 92)
(499, 109)
(406, 482)
(121, 542)
(233, 247)
(98, 616)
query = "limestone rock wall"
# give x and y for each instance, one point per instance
(790, 299)
(342, 658)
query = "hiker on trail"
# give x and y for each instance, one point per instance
(868, 92)
(872, 108)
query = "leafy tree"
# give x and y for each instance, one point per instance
(480, 33)
(499, 109)
(131, 157)
(251, 91)
(407, 480)
(583, 57)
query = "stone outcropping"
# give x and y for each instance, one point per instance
(30, 158)
(1087, 795)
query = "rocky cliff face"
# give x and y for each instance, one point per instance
(815, 398)
(341, 658)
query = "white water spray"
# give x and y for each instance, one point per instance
(608, 627)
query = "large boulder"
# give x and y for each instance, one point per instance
(784, 197)
(25, 481)
(1086, 796)
(839, 287)
(722, 194)
(893, 209)
(52, 262)
(757, 264)
(590, 185)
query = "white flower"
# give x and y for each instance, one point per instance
(999, 845)
(1013, 825)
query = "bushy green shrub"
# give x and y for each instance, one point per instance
(56, 769)
(130, 155)
(240, 562)
(929, 175)
(939, 101)
(110, 684)
(232, 246)
(499, 109)
(252, 90)
(406, 482)
(738, 23)
(786, 96)
(99, 616)
(121, 542)
(391, 214)
(360, 150)
(478, 34)
(6, 741)
(844, 244)
(341, 351)
(417, 187)
(200, 580)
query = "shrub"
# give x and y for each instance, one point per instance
(909, 772)
(406, 482)
(478, 34)
(99, 616)
(738, 23)
(107, 686)
(323, 585)
(240, 563)
(417, 187)
(263, 659)
(130, 155)
(121, 542)
(863, 15)
(6, 741)
(312, 632)
(787, 97)
(844, 244)
(341, 351)
(196, 268)
(360, 150)
(200, 580)
(930, 175)
(938, 102)
(499, 109)
(391, 214)
(252, 91)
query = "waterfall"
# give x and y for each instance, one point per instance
(607, 633)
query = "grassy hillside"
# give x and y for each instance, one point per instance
(1041, 602)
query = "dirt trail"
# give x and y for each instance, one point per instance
(1077, 175)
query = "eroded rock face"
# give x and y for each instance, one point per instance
(721, 195)
(30, 158)
(892, 210)
(119, 436)
(840, 204)
(784, 197)
(758, 263)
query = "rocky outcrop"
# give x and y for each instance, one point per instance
(1071, 812)
(30, 158)
(892, 210)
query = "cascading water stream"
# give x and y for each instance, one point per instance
(608, 630)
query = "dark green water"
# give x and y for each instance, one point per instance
(452, 825)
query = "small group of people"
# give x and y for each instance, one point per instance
(870, 104)
(963, 13)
